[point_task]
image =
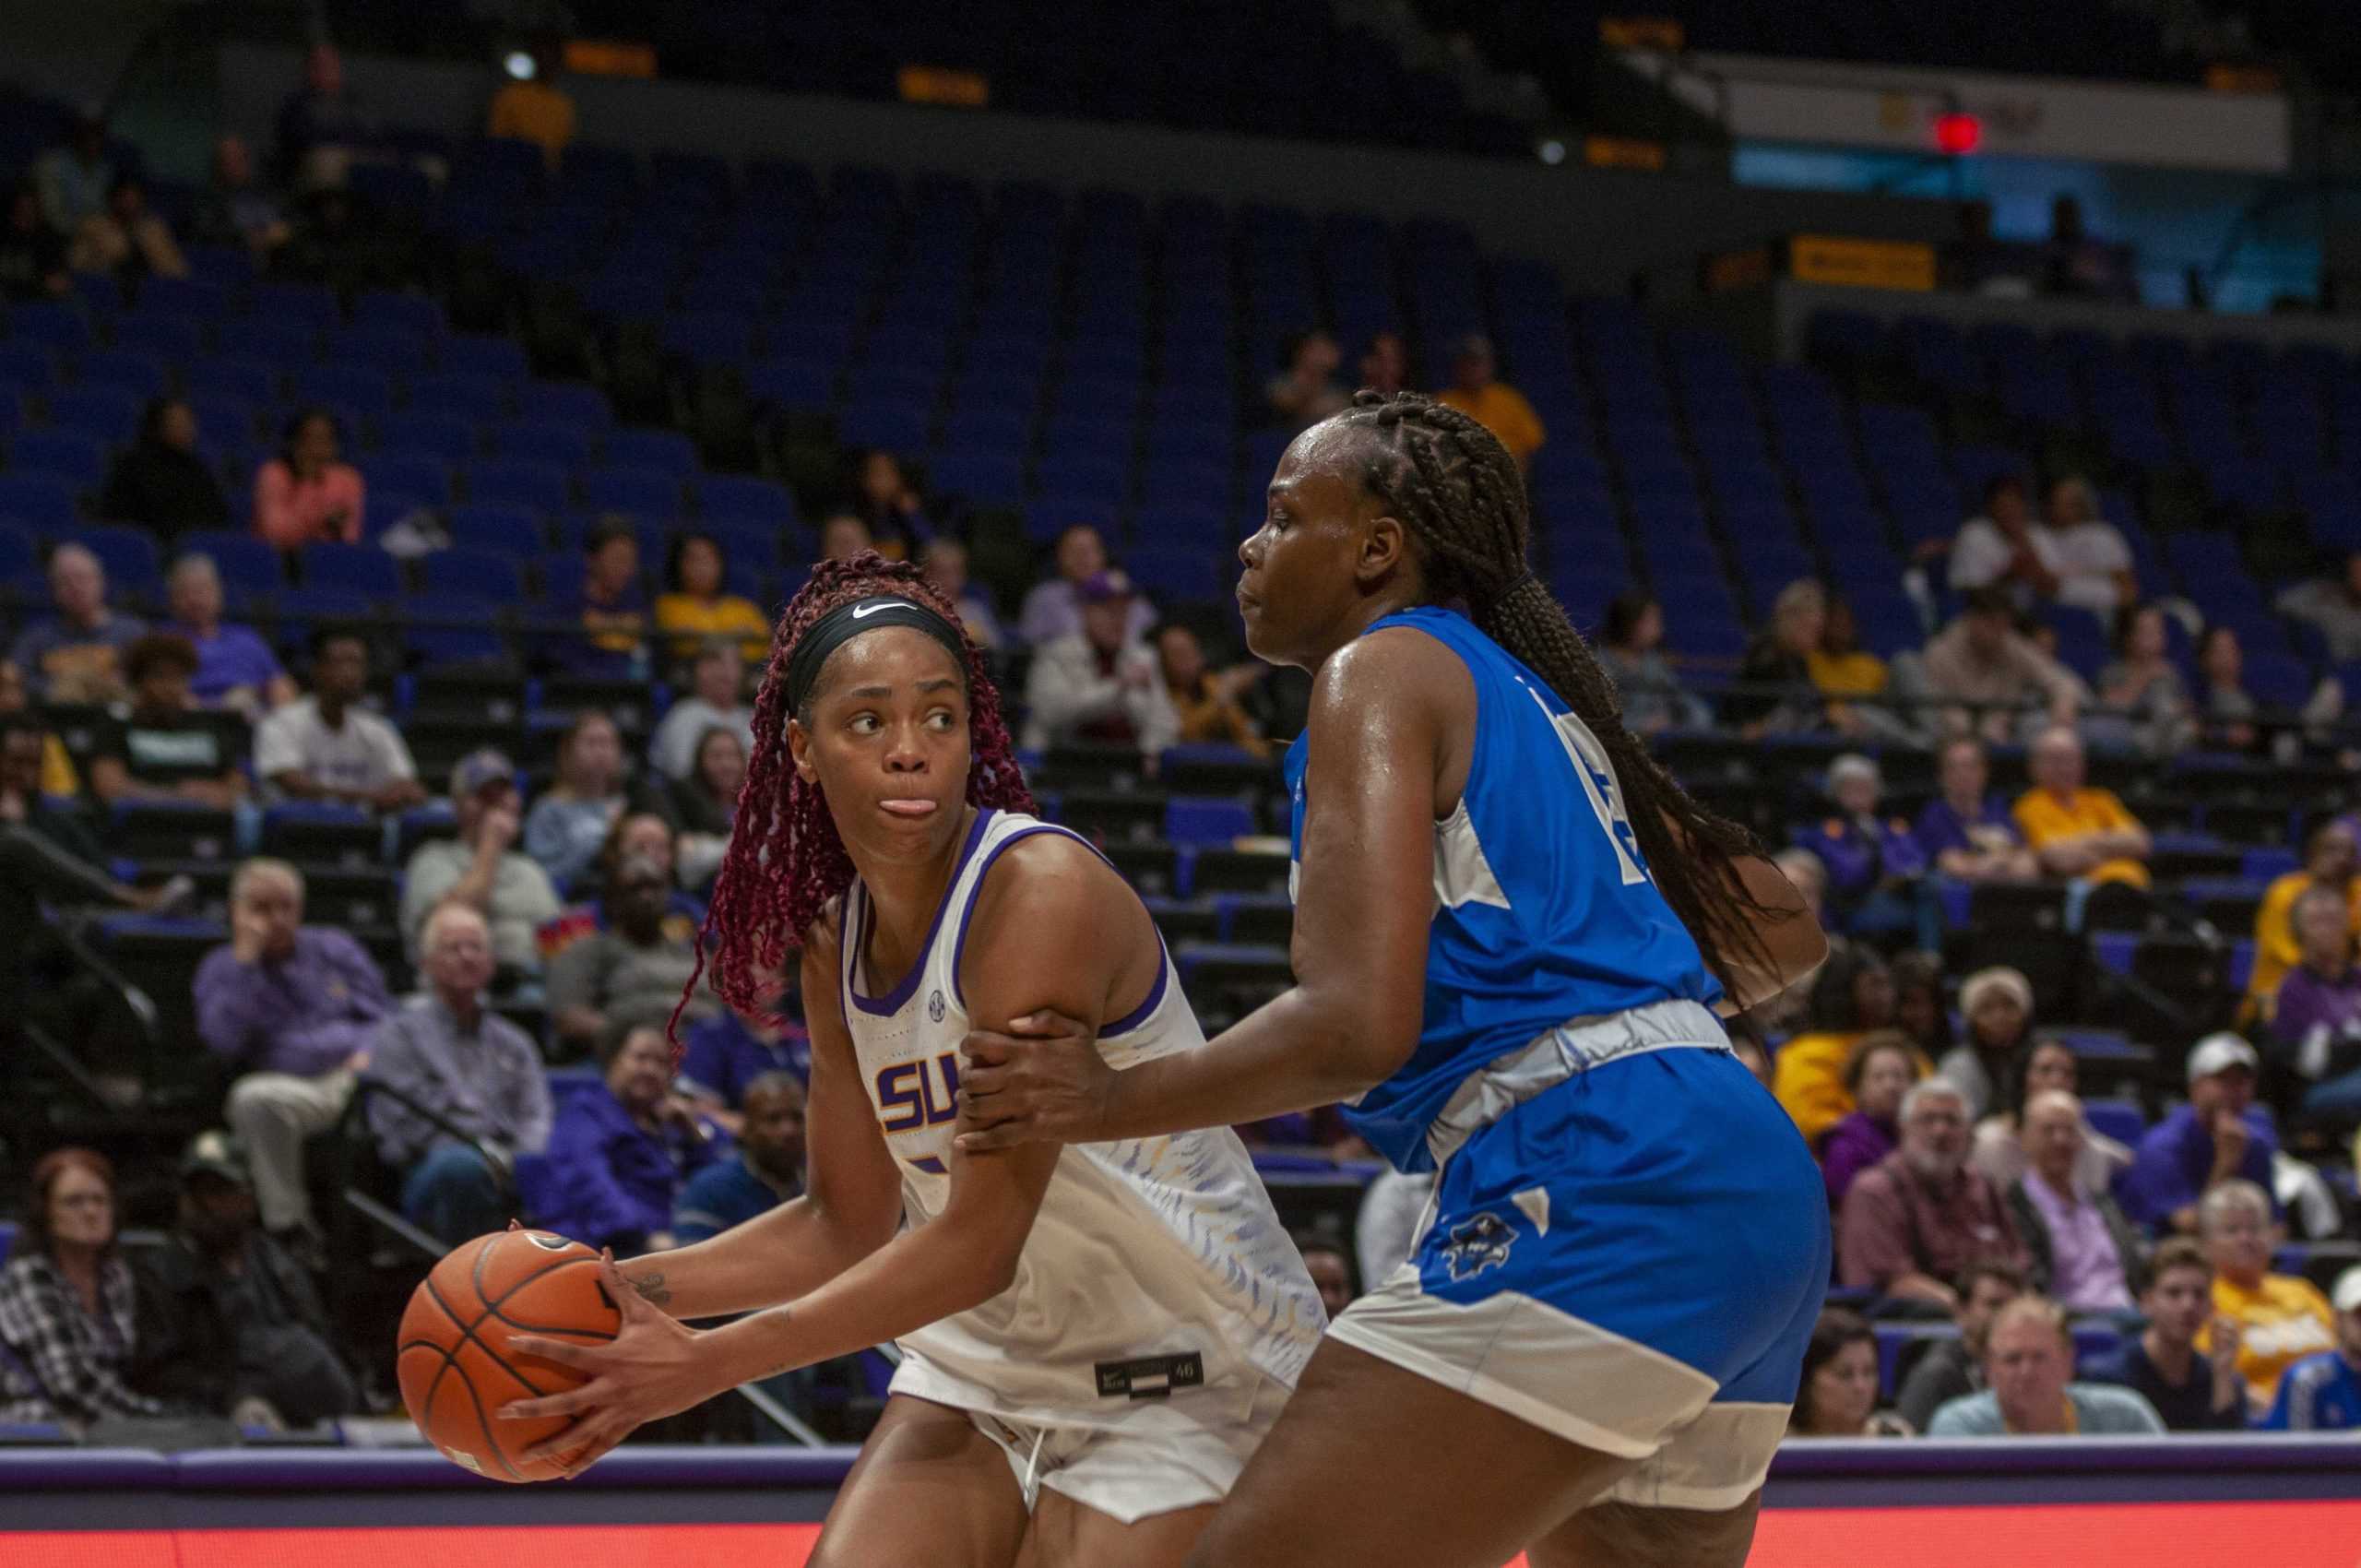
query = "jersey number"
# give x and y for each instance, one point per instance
(906, 1093)
(1598, 779)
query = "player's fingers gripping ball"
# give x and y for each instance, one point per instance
(454, 1357)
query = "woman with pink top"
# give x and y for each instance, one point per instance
(304, 495)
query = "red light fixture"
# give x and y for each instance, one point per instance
(1958, 133)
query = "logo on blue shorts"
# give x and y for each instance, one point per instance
(1479, 1244)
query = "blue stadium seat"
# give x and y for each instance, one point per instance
(665, 451)
(19, 554)
(497, 576)
(49, 324)
(642, 492)
(1202, 821)
(247, 564)
(444, 439)
(67, 454)
(309, 304)
(103, 415)
(806, 385)
(542, 486)
(473, 353)
(28, 367)
(181, 297)
(135, 373)
(359, 569)
(506, 530)
(427, 478)
(745, 498)
(565, 445)
(564, 402)
(447, 629)
(465, 395)
(388, 310)
(132, 561)
(364, 390)
(41, 501)
(301, 609)
(253, 383)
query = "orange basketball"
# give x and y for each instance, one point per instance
(452, 1357)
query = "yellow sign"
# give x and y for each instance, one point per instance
(941, 84)
(1623, 152)
(1861, 264)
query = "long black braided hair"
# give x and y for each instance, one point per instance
(1455, 487)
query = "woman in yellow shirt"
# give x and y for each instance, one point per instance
(1840, 666)
(2280, 1317)
(2330, 857)
(695, 609)
(1852, 995)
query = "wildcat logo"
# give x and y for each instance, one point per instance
(1482, 1242)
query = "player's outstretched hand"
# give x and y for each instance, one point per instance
(653, 1368)
(1042, 1082)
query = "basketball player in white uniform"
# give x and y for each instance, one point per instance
(1094, 1338)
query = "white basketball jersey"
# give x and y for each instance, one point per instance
(1152, 1259)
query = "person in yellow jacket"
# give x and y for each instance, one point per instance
(1495, 405)
(1852, 995)
(2280, 1318)
(2332, 855)
(2075, 831)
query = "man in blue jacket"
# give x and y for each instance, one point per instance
(621, 1153)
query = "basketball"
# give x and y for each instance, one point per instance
(452, 1355)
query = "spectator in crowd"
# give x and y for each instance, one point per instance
(1982, 662)
(32, 255)
(2146, 704)
(76, 656)
(2075, 831)
(1101, 683)
(767, 1173)
(1851, 996)
(31, 796)
(237, 209)
(884, 500)
(1204, 699)
(2083, 1252)
(1953, 1369)
(1920, 1009)
(2331, 859)
(2323, 1391)
(160, 482)
(1778, 695)
(162, 748)
(2029, 1363)
(328, 746)
(534, 108)
(1332, 1273)
(1385, 366)
(68, 1297)
(2283, 1317)
(945, 561)
(2227, 711)
(1966, 831)
(1848, 674)
(339, 244)
(843, 536)
(1631, 645)
(2191, 1390)
(569, 822)
(308, 494)
(1054, 608)
(1838, 1396)
(480, 868)
(321, 124)
(619, 1154)
(638, 834)
(1873, 863)
(695, 608)
(235, 668)
(1920, 1216)
(1997, 1007)
(703, 806)
(1494, 404)
(615, 606)
(2316, 1018)
(2041, 1066)
(2092, 559)
(446, 1050)
(2002, 550)
(1306, 390)
(715, 700)
(2333, 605)
(74, 179)
(1878, 1073)
(293, 1008)
(724, 1051)
(128, 240)
(633, 973)
(229, 1321)
(2216, 1137)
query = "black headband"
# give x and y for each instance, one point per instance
(846, 622)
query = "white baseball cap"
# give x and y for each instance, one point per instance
(2346, 1297)
(2219, 1053)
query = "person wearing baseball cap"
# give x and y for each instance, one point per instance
(2322, 1392)
(481, 867)
(2218, 1136)
(1100, 685)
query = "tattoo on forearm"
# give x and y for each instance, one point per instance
(650, 1287)
(789, 1363)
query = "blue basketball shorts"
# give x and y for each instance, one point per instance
(1631, 1257)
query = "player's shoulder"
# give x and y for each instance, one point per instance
(1385, 670)
(1044, 869)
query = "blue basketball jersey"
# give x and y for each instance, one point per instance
(1545, 911)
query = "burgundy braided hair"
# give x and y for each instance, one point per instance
(785, 862)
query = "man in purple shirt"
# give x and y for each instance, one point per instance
(235, 667)
(620, 1152)
(2316, 1020)
(2086, 1254)
(295, 1007)
(1966, 832)
(2216, 1137)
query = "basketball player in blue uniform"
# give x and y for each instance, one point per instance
(1514, 933)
